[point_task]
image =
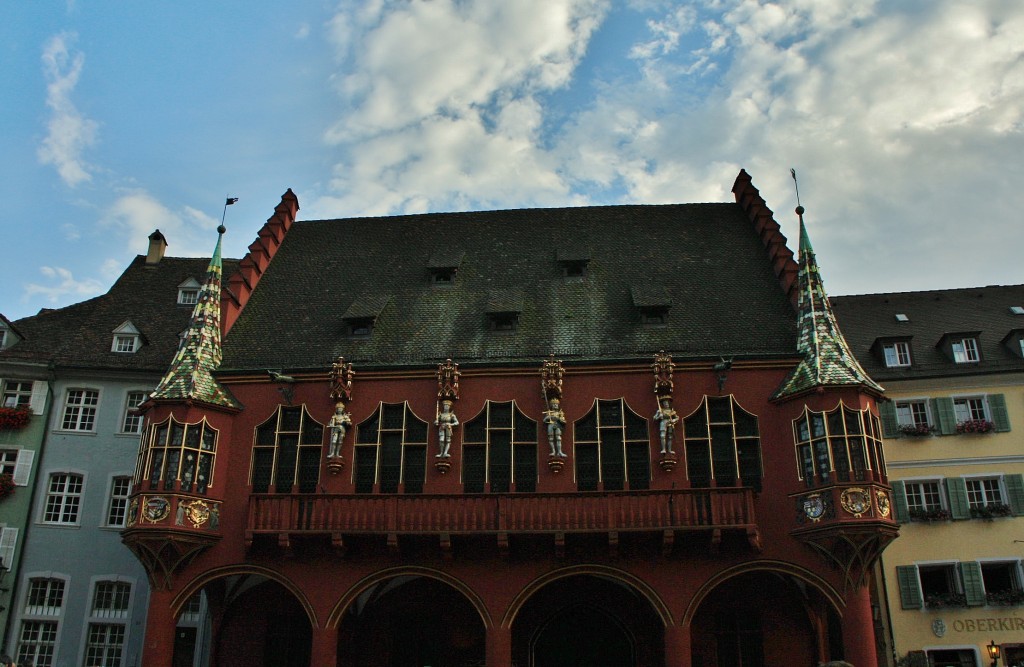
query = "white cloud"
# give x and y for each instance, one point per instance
(135, 215)
(69, 133)
(62, 286)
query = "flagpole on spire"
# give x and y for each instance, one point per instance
(228, 202)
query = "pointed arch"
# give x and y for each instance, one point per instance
(204, 578)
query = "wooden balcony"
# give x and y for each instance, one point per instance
(666, 512)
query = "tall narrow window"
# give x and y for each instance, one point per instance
(117, 506)
(839, 445)
(391, 451)
(286, 452)
(722, 444)
(612, 447)
(499, 448)
(131, 422)
(63, 498)
(45, 597)
(37, 642)
(185, 452)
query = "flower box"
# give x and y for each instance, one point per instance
(937, 514)
(13, 419)
(941, 600)
(1005, 598)
(6, 486)
(916, 430)
(990, 511)
(975, 426)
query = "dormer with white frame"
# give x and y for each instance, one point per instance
(188, 292)
(8, 334)
(127, 339)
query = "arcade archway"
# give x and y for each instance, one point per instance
(762, 618)
(587, 620)
(410, 620)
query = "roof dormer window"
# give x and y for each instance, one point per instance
(503, 309)
(897, 354)
(961, 347)
(127, 339)
(188, 292)
(443, 265)
(573, 262)
(652, 303)
(361, 316)
(1014, 342)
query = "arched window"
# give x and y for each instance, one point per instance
(391, 451)
(176, 451)
(837, 446)
(499, 447)
(286, 452)
(722, 444)
(612, 447)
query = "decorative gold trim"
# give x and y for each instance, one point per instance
(882, 501)
(856, 501)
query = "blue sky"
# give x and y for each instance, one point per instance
(904, 120)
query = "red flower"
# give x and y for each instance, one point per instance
(12, 419)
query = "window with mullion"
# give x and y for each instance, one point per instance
(970, 408)
(723, 444)
(897, 354)
(965, 351)
(286, 452)
(80, 410)
(117, 507)
(612, 448)
(63, 499)
(912, 413)
(45, 597)
(130, 421)
(841, 444)
(982, 492)
(391, 451)
(16, 394)
(181, 452)
(37, 641)
(923, 496)
(499, 451)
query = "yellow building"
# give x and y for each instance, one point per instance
(952, 363)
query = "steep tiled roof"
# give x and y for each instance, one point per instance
(190, 376)
(828, 361)
(708, 259)
(80, 335)
(870, 318)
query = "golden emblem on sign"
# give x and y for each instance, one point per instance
(198, 512)
(156, 509)
(856, 501)
(882, 500)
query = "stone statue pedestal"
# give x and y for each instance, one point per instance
(556, 463)
(668, 462)
(335, 465)
(443, 465)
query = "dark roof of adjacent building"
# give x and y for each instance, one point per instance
(705, 262)
(869, 321)
(80, 335)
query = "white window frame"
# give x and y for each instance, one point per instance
(965, 350)
(915, 491)
(897, 354)
(132, 400)
(983, 491)
(46, 610)
(968, 408)
(8, 543)
(125, 344)
(114, 616)
(68, 499)
(82, 411)
(39, 648)
(117, 501)
(15, 394)
(188, 292)
(910, 411)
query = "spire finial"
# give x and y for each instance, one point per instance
(799, 208)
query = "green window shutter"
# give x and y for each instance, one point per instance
(997, 408)
(1015, 490)
(942, 408)
(890, 427)
(956, 488)
(973, 588)
(910, 587)
(899, 502)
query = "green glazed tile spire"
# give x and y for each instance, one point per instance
(190, 376)
(828, 361)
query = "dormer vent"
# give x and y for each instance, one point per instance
(503, 309)
(443, 265)
(652, 302)
(361, 316)
(573, 262)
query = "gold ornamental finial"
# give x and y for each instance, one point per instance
(341, 381)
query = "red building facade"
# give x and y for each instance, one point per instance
(329, 517)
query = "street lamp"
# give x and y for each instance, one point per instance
(993, 652)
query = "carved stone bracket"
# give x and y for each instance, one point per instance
(163, 552)
(668, 462)
(556, 464)
(336, 465)
(443, 465)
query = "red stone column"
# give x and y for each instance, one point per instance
(158, 647)
(325, 647)
(499, 646)
(859, 630)
(677, 646)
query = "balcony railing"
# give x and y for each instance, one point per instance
(688, 509)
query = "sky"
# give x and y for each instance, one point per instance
(904, 120)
